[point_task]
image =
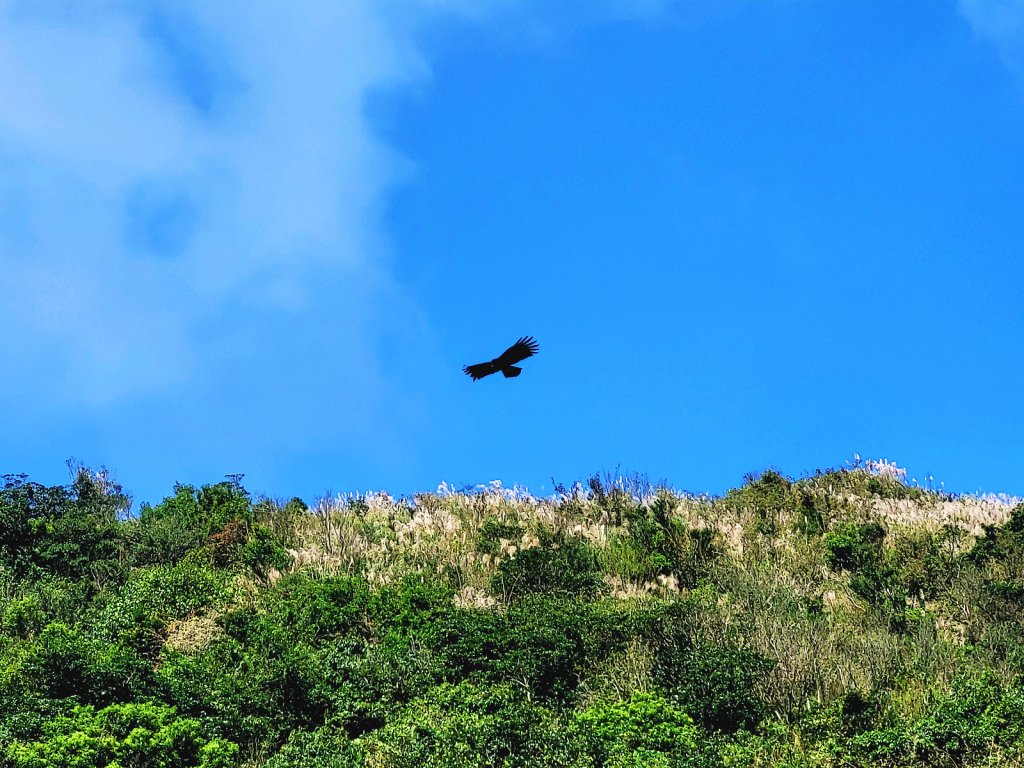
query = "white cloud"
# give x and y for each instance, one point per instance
(161, 163)
(1002, 23)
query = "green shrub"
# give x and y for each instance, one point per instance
(559, 565)
(225, 545)
(854, 546)
(978, 713)
(140, 735)
(810, 518)
(493, 531)
(251, 694)
(365, 689)
(60, 530)
(1000, 542)
(977, 721)
(468, 725)
(858, 548)
(59, 598)
(715, 685)
(314, 610)
(613, 498)
(645, 730)
(324, 748)
(156, 595)
(410, 605)
(657, 543)
(282, 520)
(180, 523)
(624, 557)
(922, 562)
(262, 553)
(769, 495)
(1003, 641)
(289, 661)
(369, 649)
(22, 617)
(21, 504)
(542, 643)
(64, 663)
(860, 482)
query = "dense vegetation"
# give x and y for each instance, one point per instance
(843, 619)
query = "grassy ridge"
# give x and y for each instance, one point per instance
(844, 619)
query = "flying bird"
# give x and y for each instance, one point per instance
(506, 362)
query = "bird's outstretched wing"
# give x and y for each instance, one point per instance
(480, 370)
(522, 349)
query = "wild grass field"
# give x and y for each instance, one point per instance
(842, 619)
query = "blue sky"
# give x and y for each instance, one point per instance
(239, 238)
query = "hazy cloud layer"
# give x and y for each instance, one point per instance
(1001, 22)
(164, 164)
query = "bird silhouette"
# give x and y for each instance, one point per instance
(505, 362)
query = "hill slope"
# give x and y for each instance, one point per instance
(843, 619)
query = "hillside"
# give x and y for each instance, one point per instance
(842, 619)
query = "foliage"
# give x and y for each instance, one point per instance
(644, 730)
(64, 663)
(978, 717)
(842, 619)
(143, 735)
(715, 685)
(559, 565)
(262, 553)
(65, 531)
(858, 548)
(180, 523)
(770, 495)
(493, 531)
(543, 644)
(325, 747)
(155, 595)
(468, 725)
(657, 544)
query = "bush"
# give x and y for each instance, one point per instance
(21, 503)
(142, 735)
(314, 610)
(22, 617)
(645, 730)
(63, 531)
(922, 560)
(769, 495)
(324, 748)
(262, 553)
(559, 565)
(493, 531)
(861, 482)
(180, 523)
(156, 595)
(656, 543)
(715, 685)
(410, 605)
(854, 546)
(63, 663)
(468, 725)
(543, 644)
(857, 548)
(976, 722)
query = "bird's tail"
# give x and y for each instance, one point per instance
(511, 371)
